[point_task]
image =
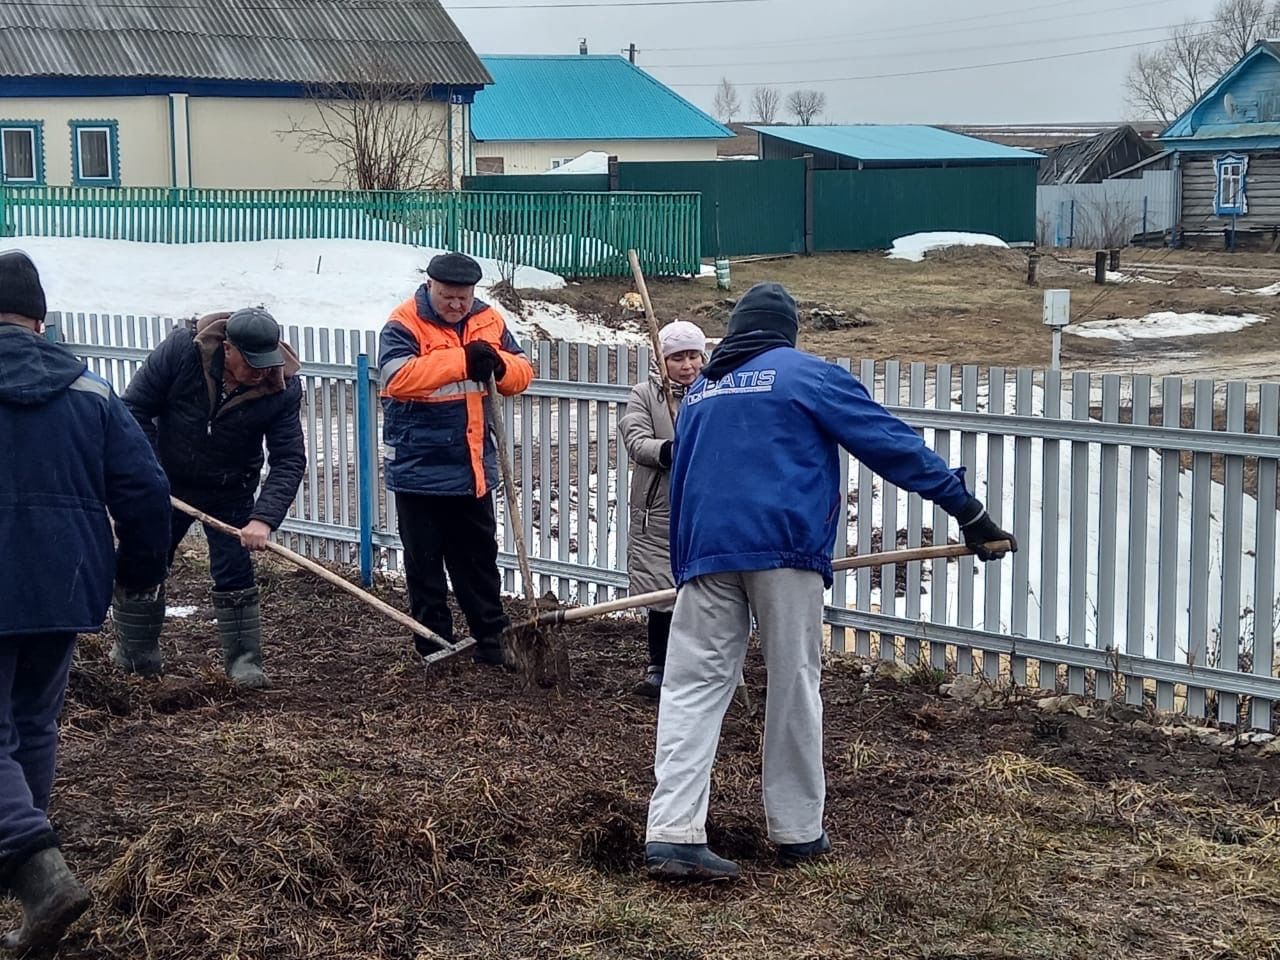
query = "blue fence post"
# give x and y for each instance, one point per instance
(1071, 235)
(365, 473)
(1144, 220)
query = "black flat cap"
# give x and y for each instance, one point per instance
(255, 333)
(456, 269)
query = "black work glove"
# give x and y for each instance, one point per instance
(981, 530)
(664, 454)
(483, 361)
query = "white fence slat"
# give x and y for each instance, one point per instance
(1108, 511)
(994, 573)
(1232, 555)
(1139, 495)
(939, 572)
(1167, 587)
(840, 583)
(1048, 586)
(1201, 488)
(1078, 544)
(889, 521)
(915, 522)
(1264, 585)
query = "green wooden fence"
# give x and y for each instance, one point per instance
(574, 234)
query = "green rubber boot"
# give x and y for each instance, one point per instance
(138, 616)
(240, 627)
(52, 899)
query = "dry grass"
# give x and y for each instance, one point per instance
(958, 306)
(366, 809)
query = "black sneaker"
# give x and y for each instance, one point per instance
(687, 861)
(651, 686)
(794, 854)
(489, 653)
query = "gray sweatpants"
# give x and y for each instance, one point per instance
(708, 645)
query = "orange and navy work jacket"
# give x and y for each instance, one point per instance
(436, 431)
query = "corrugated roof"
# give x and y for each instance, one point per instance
(1095, 159)
(286, 41)
(594, 97)
(896, 143)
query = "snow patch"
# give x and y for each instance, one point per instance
(1161, 326)
(915, 246)
(1115, 276)
(179, 613)
(335, 284)
(593, 161)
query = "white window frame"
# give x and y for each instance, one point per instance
(1231, 191)
(5, 130)
(107, 132)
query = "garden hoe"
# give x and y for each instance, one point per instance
(555, 618)
(533, 652)
(447, 649)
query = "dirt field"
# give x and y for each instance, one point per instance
(974, 306)
(364, 809)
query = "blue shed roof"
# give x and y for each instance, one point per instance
(595, 97)
(896, 143)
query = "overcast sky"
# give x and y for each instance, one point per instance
(823, 43)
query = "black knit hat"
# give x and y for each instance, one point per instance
(20, 289)
(455, 269)
(766, 306)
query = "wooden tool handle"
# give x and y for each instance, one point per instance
(327, 575)
(508, 483)
(654, 336)
(913, 555)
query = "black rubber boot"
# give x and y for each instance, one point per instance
(794, 854)
(138, 616)
(240, 627)
(52, 900)
(687, 861)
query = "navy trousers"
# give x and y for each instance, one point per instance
(33, 685)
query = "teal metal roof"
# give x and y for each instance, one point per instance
(894, 143)
(593, 97)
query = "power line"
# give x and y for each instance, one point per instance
(893, 32)
(893, 54)
(938, 70)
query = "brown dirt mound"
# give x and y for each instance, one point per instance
(368, 808)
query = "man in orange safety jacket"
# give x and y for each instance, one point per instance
(436, 354)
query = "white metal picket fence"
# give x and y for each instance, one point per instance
(1145, 512)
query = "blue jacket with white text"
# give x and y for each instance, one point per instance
(755, 478)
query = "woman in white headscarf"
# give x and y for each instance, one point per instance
(646, 431)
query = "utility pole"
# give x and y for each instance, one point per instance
(631, 53)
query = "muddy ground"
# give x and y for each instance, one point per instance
(973, 305)
(366, 808)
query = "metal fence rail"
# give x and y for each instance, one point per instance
(575, 234)
(1146, 512)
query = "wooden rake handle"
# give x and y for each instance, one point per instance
(330, 577)
(913, 555)
(655, 337)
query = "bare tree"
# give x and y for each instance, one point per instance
(764, 104)
(807, 105)
(1239, 25)
(727, 103)
(1165, 81)
(380, 133)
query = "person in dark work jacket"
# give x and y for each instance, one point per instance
(208, 397)
(755, 498)
(436, 355)
(75, 461)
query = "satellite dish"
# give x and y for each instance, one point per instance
(1229, 104)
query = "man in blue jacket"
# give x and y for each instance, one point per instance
(772, 419)
(75, 461)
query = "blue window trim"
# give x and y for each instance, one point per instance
(113, 152)
(1241, 207)
(37, 129)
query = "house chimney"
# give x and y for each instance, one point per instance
(582, 46)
